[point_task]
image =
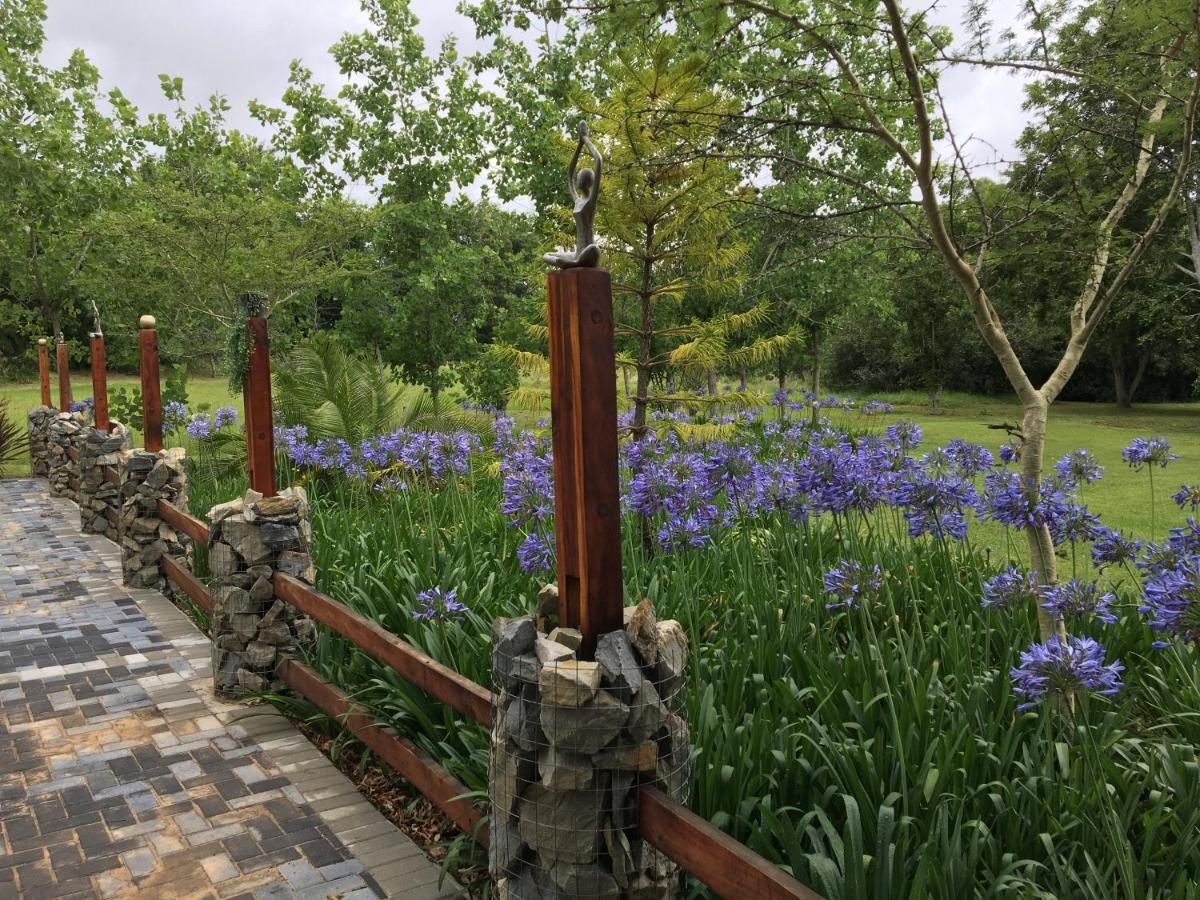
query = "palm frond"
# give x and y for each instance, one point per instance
(526, 398)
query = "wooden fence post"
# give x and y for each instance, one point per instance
(99, 383)
(152, 436)
(44, 372)
(583, 409)
(64, 375)
(256, 400)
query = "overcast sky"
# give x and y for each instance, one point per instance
(242, 48)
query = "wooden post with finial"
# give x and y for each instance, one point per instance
(64, 375)
(152, 434)
(256, 400)
(44, 372)
(583, 408)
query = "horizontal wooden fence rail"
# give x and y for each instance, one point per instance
(459, 693)
(731, 869)
(181, 521)
(187, 582)
(424, 773)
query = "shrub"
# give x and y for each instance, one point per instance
(14, 440)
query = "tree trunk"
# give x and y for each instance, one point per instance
(625, 378)
(1124, 385)
(1041, 547)
(816, 376)
(742, 379)
(434, 391)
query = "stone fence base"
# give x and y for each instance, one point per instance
(147, 478)
(39, 440)
(97, 495)
(572, 740)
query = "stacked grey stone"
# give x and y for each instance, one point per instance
(98, 449)
(572, 740)
(62, 434)
(39, 439)
(250, 539)
(146, 478)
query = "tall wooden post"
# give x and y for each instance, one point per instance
(99, 383)
(64, 376)
(152, 437)
(256, 400)
(44, 371)
(583, 408)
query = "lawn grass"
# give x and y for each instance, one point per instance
(202, 393)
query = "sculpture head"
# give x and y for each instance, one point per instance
(585, 180)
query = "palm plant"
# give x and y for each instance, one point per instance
(14, 442)
(335, 393)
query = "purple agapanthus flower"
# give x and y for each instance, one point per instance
(1010, 588)
(1077, 597)
(200, 427)
(971, 459)
(1010, 451)
(850, 583)
(1079, 467)
(87, 404)
(935, 505)
(1171, 599)
(1148, 452)
(1113, 548)
(439, 604)
(1075, 525)
(1007, 500)
(1064, 667)
(904, 436)
(225, 416)
(1188, 495)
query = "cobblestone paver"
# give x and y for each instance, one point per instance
(119, 777)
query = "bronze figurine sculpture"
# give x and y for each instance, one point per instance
(584, 185)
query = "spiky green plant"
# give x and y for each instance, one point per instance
(14, 440)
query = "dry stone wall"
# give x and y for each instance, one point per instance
(146, 478)
(572, 740)
(39, 439)
(98, 495)
(250, 540)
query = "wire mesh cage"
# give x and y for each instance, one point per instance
(572, 740)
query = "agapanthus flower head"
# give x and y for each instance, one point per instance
(1149, 452)
(1007, 500)
(935, 503)
(1188, 495)
(225, 416)
(1010, 451)
(1078, 598)
(200, 426)
(87, 404)
(1113, 548)
(1010, 588)
(1064, 666)
(904, 436)
(1171, 599)
(1079, 467)
(1074, 524)
(971, 459)
(536, 553)
(439, 604)
(851, 583)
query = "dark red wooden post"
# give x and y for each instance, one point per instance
(99, 383)
(583, 408)
(256, 399)
(64, 376)
(44, 371)
(152, 436)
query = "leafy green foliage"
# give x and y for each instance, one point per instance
(125, 403)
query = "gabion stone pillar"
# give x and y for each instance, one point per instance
(571, 741)
(250, 539)
(64, 471)
(146, 478)
(98, 449)
(39, 440)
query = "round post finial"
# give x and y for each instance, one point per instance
(146, 322)
(41, 342)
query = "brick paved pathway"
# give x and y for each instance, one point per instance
(122, 776)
